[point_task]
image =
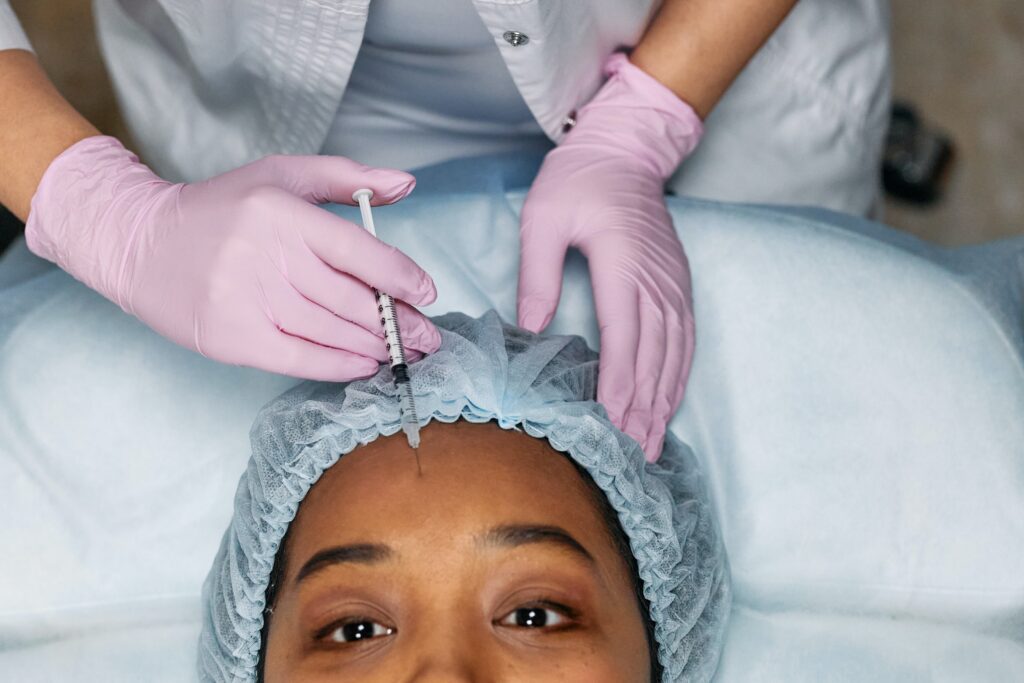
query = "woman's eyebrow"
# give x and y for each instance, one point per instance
(364, 553)
(515, 535)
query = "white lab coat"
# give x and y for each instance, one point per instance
(207, 85)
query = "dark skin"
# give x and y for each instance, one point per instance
(494, 565)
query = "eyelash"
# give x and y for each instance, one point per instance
(322, 635)
(564, 611)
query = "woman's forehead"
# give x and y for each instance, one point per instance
(471, 476)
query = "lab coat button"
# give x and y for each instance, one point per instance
(569, 121)
(515, 38)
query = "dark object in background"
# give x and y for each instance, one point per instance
(917, 158)
(10, 228)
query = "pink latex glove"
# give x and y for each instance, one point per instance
(243, 268)
(602, 191)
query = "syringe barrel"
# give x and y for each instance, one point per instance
(386, 310)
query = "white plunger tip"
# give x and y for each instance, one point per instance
(359, 194)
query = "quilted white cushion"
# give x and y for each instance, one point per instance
(857, 404)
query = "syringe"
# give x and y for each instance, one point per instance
(393, 338)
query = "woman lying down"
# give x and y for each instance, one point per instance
(534, 544)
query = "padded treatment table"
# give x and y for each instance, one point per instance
(857, 400)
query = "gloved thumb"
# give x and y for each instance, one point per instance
(323, 179)
(541, 261)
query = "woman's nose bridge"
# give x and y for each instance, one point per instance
(456, 647)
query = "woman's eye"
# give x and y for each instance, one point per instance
(534, 617)
(354, 631)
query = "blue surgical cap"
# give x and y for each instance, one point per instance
(484, 371)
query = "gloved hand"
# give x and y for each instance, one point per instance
(243, 268)
(602, 191)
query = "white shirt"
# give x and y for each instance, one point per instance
(429, 85)
(208, 85)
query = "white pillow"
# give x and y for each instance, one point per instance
(119, 454)
(862, 411)
(800, 647)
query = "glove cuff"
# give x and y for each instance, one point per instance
(635, 113)
(75, 219)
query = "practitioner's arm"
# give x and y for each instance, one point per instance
(243, 268)
(698, 47)
(36, 125)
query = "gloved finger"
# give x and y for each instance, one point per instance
(651, 357)
(322, 179)
(689, 349)
(655, 442)
(425, 337)
(619, 324)
(297, 316)
(347, 297)
(678, 352)
(346, 247)
(301, 358)
(541, 261)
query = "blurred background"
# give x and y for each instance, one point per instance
(959, 66)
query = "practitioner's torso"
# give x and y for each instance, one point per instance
(429, 84)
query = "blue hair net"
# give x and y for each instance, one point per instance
(484, 371)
